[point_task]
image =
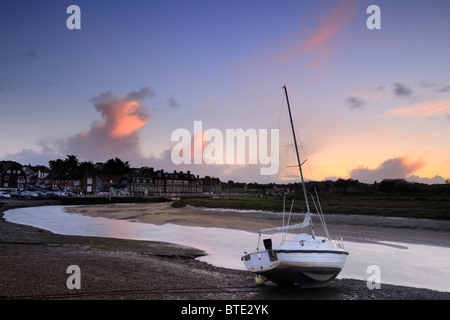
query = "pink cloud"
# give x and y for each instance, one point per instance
(318, 43)
(426, 109)
(117, 134)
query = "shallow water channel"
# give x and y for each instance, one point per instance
(399, 263)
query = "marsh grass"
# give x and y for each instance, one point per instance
(425, 207)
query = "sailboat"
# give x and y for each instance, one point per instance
(305, 260)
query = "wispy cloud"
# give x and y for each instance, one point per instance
(173, 103)
(355, 103)
(444, 88)
(427, 109)
(401, 90)
(318, 44)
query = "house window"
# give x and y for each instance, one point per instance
(5, 184)
(18, 171)
(89, 181)
(8, 171)
(6, 177)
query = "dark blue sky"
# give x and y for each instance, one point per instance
(361, 97)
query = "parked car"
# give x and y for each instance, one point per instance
(29, 194)
(15, 194)
(4, 195)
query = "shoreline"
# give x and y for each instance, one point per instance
(34, 263)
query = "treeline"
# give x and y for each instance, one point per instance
(386, 186)
(114, 165)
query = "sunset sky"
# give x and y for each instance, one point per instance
(367, 104)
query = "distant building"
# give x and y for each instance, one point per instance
(237, 188)
(142, 182)
(106, 181)
(12, 175)
(79, 182)
(146, 181)
(211, 185)
(36, 174)
(84, 182)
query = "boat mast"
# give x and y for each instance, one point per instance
(299, 164)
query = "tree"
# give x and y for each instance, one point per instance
(70, 163)
(56, 165)
(386, 186)
(394, 185)
(86, 166)
(116, 166)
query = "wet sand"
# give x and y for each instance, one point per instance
(33, 262)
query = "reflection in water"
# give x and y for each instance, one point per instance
(400, 263)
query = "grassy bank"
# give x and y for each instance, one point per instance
(426, 207)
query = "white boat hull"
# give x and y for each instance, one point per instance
(299, 262)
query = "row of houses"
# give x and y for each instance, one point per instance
(143, 181)
(147, 181)
(139, 182)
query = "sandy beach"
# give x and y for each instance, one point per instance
(33, 262)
